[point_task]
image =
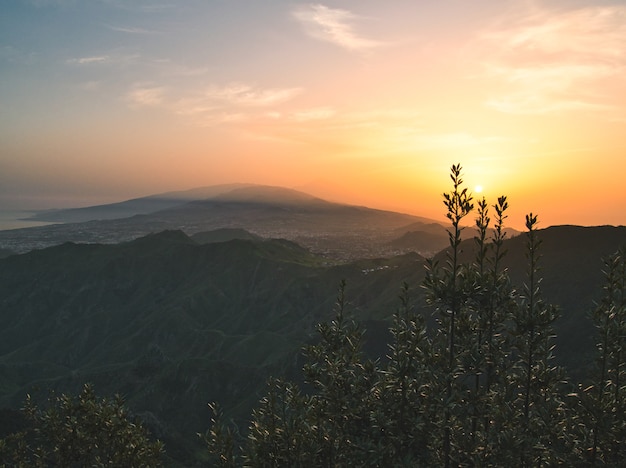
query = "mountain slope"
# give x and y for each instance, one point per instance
(341, 232)
(169, 323)
(224, 235)
(172, 324)
(136, 206)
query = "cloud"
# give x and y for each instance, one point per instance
(246, 95)
(552, 61)
(333, 25)
(148, 7)
(103, 59)
(593, 32)
(89, 60)
(212, 104)
(132, 30)
(326, 124)
(13, 55)
(142, 96)
(532, 103)
(45, 3)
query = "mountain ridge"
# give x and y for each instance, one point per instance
(133, 206)
(339, 231)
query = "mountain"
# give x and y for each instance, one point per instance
(430, 238)
(171, 323)
(421, 241)
(340, 232)
(224, 235)
(270, 195)
(136, 206)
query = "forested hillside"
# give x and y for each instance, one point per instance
(479, 388)
(172, 323)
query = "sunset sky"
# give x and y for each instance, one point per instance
(367, 102)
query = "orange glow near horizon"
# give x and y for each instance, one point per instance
(363, 104)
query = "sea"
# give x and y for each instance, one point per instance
(13, 219)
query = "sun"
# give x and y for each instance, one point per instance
(478, 189)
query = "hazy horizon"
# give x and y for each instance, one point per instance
(17, 219)
(366, 103)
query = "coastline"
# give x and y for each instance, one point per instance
(19, 219)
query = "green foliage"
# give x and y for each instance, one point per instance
(80, 431)
(220, 440)
(403, 413)
(280, 433)
(331, 427)
(343, 383)
(447, 292)
(603, 401)
(489, 303)
(473, 302)
(539, 419)
(171, 324)
(481, 389)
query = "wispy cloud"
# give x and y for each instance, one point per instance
(128, 30)
(593, 32)
(369, 132)
(142, 96)
(212, 104)
(13, 55)
(549, 61)
(45, 3)
(102, 59)
(247, 95)
(89, 60)
(148, 7)
(328, 124)
(333, 25)
(533, 103)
